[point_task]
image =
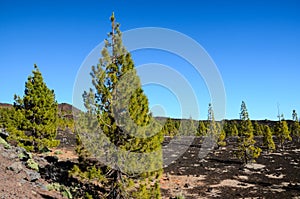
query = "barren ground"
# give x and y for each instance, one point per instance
(218, 175)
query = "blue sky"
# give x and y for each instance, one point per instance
(255, 45)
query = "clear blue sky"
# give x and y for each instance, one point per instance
(255, 45)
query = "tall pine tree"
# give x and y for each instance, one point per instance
(118, 126)
(246, 149)
(215, 130)
(35, 115)
(295, 126)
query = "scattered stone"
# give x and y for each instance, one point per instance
(32, 176)
(186, 185)
(254, 166)
(16, 167)
(209, 189)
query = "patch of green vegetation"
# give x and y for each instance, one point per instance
(61, 188)
(58, 152)
(6, 145)
(92, 173)
(88, 196)
(180, 197)
(31, 164)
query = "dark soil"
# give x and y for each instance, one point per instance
(221, 175)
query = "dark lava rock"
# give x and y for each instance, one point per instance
(52, 159)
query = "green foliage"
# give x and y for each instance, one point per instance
(87, 196)
(257, 129)
(283, 132)
(58, 152)
(202, 129)
(234, 131)
(31, 164)
(91, 173)
(5, 117)
(61, 188)
(170, 128)
(65, 123)
(180, 197)
(187, 128)
(117, 121)
(295, 126)
(4, 143)
(34, 122)
(268, 139)
(246, 149)
(230, 128)
(24, 156)
(222, 136)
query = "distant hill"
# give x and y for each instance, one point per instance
(63, 108)
(5, 105)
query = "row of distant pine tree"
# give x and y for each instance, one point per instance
(244, 129)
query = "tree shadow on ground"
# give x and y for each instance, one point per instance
(58, 172)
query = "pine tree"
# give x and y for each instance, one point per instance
(246, 149)
(283, 132)
(35, 115)
(295, 116)
(202, 129)
(257, 129)
(222, 136)
(187, 127)
(295, 126)
(169, 128)
(214, 130)
(268, 139)
(5, 115)
(118, 114)
(234, 129)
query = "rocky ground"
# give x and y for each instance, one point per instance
(20, 178)
(218, 175)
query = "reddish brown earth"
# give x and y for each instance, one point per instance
(17, 181)
(218, 175)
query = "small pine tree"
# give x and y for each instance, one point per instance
(187, 128)
(268, 139)
(221, 138)
(246, 149)
(212, 126)
(283, 132)
(257, 129)
(35, 115)
(215, 131)
(169, 128)
(212, 131)
(234, 130)
(202, 129)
